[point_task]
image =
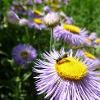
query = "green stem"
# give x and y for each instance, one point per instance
(18, 85)
(27, 34)
(51, 38)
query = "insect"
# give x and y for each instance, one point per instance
(62, 59)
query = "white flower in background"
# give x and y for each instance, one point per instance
(51, 19)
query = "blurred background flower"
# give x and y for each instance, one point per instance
(70, 34)
(23, 54)
(51, 19)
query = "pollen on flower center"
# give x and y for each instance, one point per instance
(72, 28)
(24, 54)
(70, 68)
(37, 20)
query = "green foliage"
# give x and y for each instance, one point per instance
(85, 13)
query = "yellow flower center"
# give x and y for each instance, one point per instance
(37, 12)
(72, 28)
(37, 20)
(55, 6)
(89, 55)
(53, 2)
(97, 41)
(70, 68)
(24, 54)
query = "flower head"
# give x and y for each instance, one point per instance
(66, 19)
(23, 54)
(89, 56)
(97, 41)
(56, 4)
(36, 20)
(36, 23)
(64, 76)
(89, 41)
(37, 13)
(51, 19)
(12, 17)
(18, 8)
(70, 34)
(38, 1)
(66, 1)
(46, 9)
(29, 2)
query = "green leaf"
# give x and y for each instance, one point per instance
(26, 76)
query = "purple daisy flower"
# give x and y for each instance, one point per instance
(12, 17)
(97, 42)
(29, 2)
(65, 1)
(64, 76)
(18, 8)
(70, 34)
(66, 19)
(56, 2)
(36, 23)
(92, 36)
(69, 20)
(89, 41)
(23, 54)
(46, 9)
(90, 57)
(35, 13)
(35, 20)
(51, 19)
(38, 1)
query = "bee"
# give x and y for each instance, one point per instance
(62, 59)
